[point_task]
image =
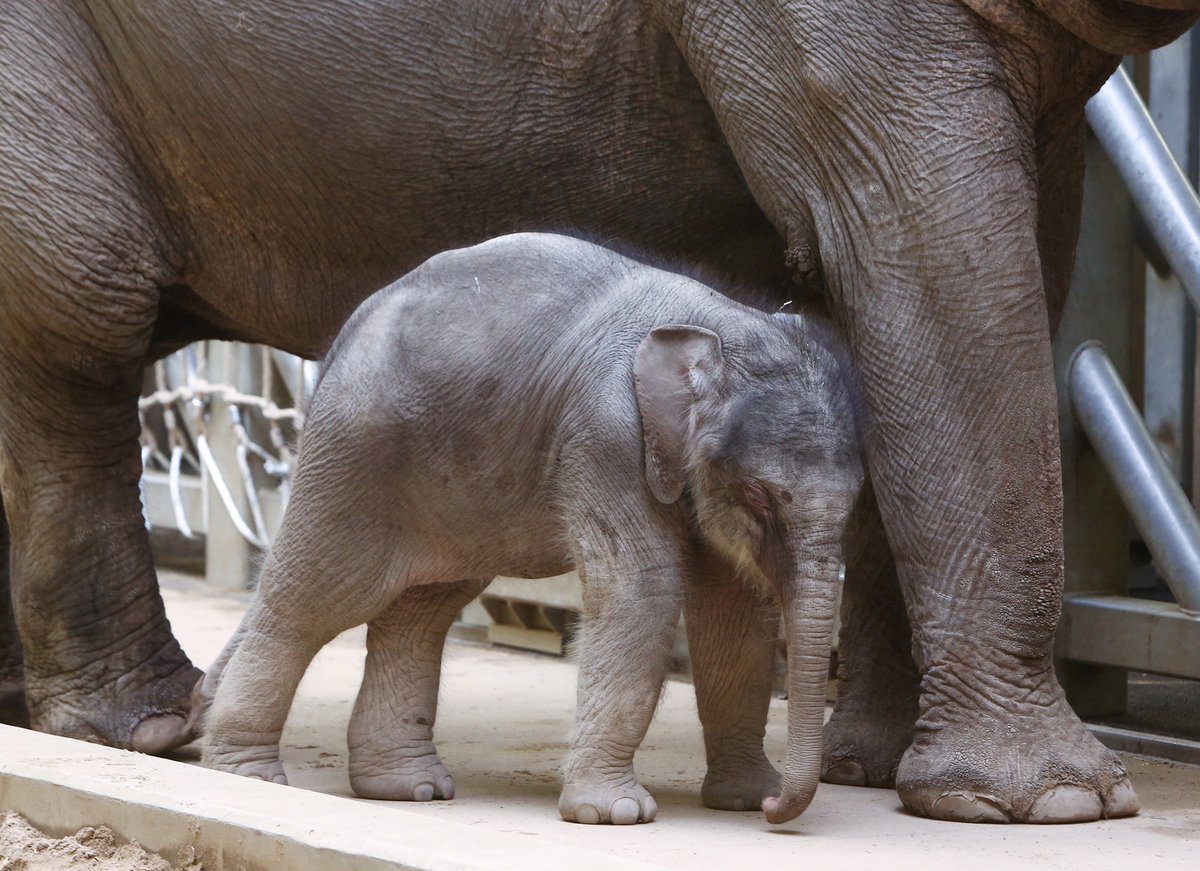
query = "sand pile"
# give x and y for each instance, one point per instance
(24, 848)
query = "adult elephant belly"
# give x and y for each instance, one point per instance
(310, 154)
(234, 173)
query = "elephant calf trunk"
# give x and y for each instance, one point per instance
(794, 798)
(809, 604)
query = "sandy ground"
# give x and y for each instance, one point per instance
(502, 728)
(24, 848)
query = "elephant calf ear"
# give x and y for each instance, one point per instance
(673, 366)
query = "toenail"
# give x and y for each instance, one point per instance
(966, 807)
(1122, 802)
(624, 812)
(1066, 804)
(847, 772)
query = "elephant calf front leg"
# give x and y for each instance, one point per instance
(392, 754)
(732, 636)
(629, 618)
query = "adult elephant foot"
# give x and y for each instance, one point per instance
(741, 787)
(145, 708)
(99, 660)
(1045, 768)
(13, 710)
(862, 750)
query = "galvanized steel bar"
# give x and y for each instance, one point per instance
(1161, 191)
(1157, 504)
(1162, 746)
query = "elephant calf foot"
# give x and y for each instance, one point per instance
(730, 786)
(864, 750)
(414, 776)
(257, 763)
(1035, 769)
(592, 799)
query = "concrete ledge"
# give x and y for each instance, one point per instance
(1130, 633)
(230, 823)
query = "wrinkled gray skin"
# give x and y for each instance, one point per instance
(253, 171)
(524, 407)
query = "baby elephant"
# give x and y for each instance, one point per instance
(528, 406)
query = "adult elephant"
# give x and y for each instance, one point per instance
(251, 171)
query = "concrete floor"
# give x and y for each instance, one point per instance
(502, 730)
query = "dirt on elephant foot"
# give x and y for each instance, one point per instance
(1048, 769)
(24, 848)
(742, 787)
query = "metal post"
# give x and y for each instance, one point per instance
(1168, 382)
(228, 557)
(1158, 506)
(299, 374)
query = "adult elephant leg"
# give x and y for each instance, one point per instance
(952, 340)
(915, 184)
(13, 711)
(82, 257)
(957, 371)
(872, 722)
(101, 663)
(732, 637)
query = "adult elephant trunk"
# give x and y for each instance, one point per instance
(809, 601)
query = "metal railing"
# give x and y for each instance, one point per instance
(1116, 630)
(217, 430)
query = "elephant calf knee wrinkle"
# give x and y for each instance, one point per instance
(583, 411)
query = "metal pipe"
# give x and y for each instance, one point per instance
(1157, 504)
(1158, 186)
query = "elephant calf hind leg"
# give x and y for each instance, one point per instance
(392, 754)
(256, 689)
